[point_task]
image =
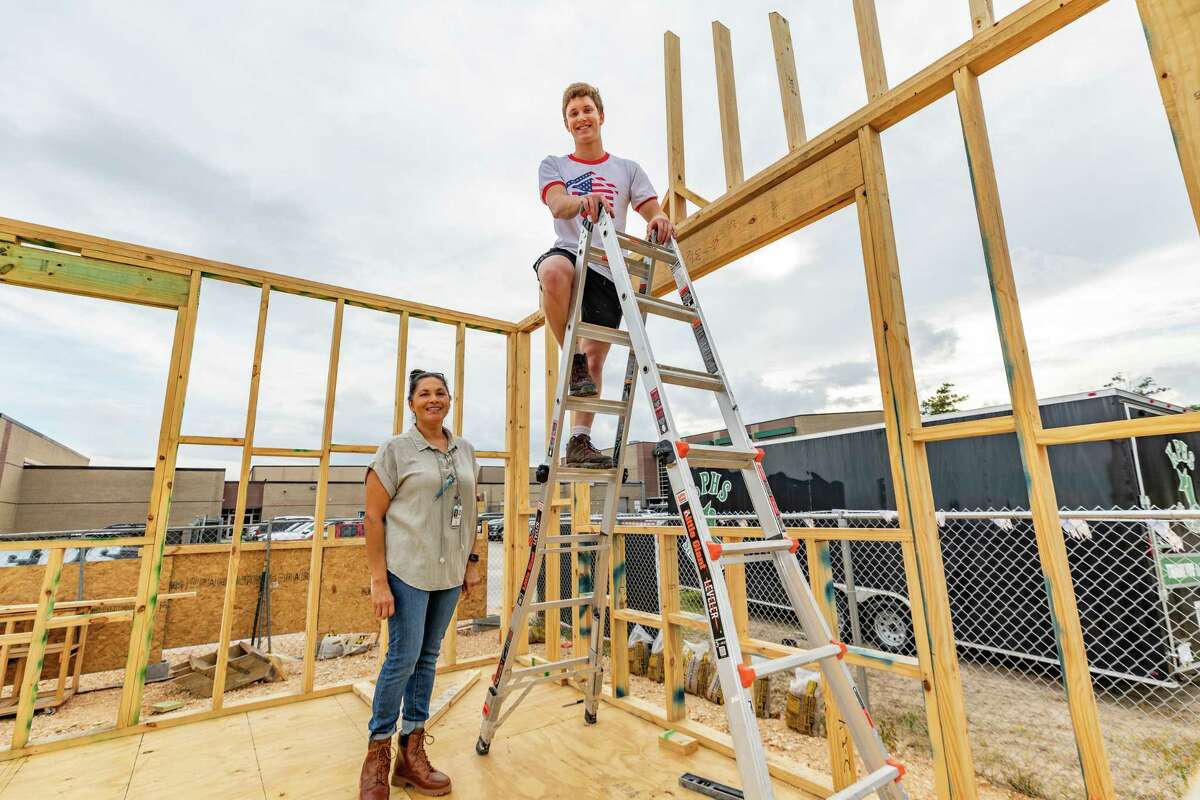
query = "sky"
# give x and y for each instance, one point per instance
(394, 149)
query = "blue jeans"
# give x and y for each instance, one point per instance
(414, 639)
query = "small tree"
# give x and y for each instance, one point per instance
(1144, 385)
(943, 400)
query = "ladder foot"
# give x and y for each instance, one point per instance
(482, 747)
(589, 717)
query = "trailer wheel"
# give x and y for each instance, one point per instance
(891, 626)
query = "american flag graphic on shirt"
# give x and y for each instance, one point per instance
(590, 182)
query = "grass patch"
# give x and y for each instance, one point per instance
(691, 600)
(1180, 758)
(906, 730)
(1026, 783)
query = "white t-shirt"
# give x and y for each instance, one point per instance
(621, 180)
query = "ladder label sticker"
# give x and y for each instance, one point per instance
(685, 295)
(706, 581)
(660, 416)
(706, 352)
(553, 431)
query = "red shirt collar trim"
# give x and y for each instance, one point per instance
(585, 161)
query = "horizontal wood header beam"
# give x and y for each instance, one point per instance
(165, 261)
(73, 273)
(761, 217)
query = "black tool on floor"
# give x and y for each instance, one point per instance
(709, 788)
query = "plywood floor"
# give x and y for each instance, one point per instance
(314, 749)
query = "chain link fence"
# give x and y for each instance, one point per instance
(1136, 575)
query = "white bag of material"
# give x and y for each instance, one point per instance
(639, 650)
(800, 712)
(654, 666)
(801, 680)
(639, 634)
(696, 665)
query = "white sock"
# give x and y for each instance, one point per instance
(576, 430)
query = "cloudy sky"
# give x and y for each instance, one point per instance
(395, 150)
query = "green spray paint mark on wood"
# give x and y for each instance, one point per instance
(53, 590)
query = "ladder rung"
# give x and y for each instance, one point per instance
(707, 455)
(748, 559)
(644, 248)
(549, 667)
(525, 683)
(665, 308)
(870, 783)
(595, 405)
(600, 333)
(752, 547)
(690, 377)
(759, 669)
(584, 475)
(582, 600)
(583, 538)
(637, 268)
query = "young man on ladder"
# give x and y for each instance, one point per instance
(601, 243)
(575, 187)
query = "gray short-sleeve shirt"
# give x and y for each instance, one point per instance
(423, 548)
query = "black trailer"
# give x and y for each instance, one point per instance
(1137, 581)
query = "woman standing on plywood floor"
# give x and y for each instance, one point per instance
(420, 521)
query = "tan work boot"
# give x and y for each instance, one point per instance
(581, 453)
(582, 384)
(373, 779)
(413, 770)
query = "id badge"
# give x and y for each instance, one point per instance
(456, 515)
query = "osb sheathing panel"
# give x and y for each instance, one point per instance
(345, 592)
(345, 607)
(107, 644)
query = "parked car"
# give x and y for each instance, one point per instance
(277, 526)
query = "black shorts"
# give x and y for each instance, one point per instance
(600, 303)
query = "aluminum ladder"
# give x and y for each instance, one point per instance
(884, 773)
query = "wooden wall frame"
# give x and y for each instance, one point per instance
(40, 257)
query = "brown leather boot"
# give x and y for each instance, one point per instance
(581, 382)
(581, 453)
(373, 780)
(413, 770)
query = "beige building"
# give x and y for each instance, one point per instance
(22, 446)
(86, 498)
